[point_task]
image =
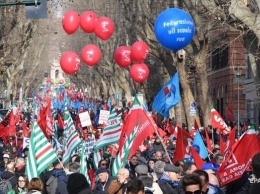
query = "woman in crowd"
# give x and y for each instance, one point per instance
(35, 186)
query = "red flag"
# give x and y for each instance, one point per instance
(12, 129)
(209, 145)
(146, 127)
(161, 132)
(45, 119)
(217, 121)
(18, 114)
(3, 133)
(60, 121)
(229, 113)
(25, 130)
(169, 128)
(181, 150)
(231, 140)
(196, 124)
(196, 157)
(222, 144)
(239, 158)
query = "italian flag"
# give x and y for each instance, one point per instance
(41, 153)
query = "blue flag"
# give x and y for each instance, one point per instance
(168, 96)
(199, 145)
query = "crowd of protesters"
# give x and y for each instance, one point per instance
(149, 170)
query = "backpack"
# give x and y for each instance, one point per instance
(51, 185)
(5, 185)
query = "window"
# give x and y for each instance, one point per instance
(220, 57)
(46, 74)
(57, 72)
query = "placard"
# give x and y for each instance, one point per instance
(103, 116)
(85, 119)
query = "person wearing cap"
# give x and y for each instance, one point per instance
(142, 171)
(170, 179)
(209, 168)
(103, 182)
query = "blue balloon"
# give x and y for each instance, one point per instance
(174, 29)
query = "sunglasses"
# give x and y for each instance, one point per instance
(21, 180)
(103, 164)
(193, 192)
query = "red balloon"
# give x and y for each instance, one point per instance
(139, 51)
(91, 54)
(61, 81)
(87, 21)
(48, 80)
(139, 72)
(122, 56)
(70, 21)
(48, 89)
(70, 62)
(104, 28)
(52, 82)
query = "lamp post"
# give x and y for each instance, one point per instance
(238, 73)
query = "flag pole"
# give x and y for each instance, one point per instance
(163, 146)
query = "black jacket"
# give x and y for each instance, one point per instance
(166, 187)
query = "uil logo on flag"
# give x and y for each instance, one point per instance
(169, 91)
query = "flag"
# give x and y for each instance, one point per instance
(209, 145)
(147, 126)
(72, 139)
(122, 157)
(44, 117)
(217, 121)
(56, 145)
(239, 157)
(112, 131)
(182, 143)
(12, 129)
(41, 153)
(229, 113)
(83, 164)
(203, 152)
(97, 156)
(196, 157)
(196, 124)
(167, 97)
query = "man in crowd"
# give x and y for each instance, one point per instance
(119, 185)
(170, 179)
(103, 182)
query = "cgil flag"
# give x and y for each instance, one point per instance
(168, 96)
(41, 153)
(218, 122)
(72, 140)
(112, 131)
(239, 158)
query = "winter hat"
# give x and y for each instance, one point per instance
(171, 168)
(100, 170)
(76, 183)
(141, 169)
